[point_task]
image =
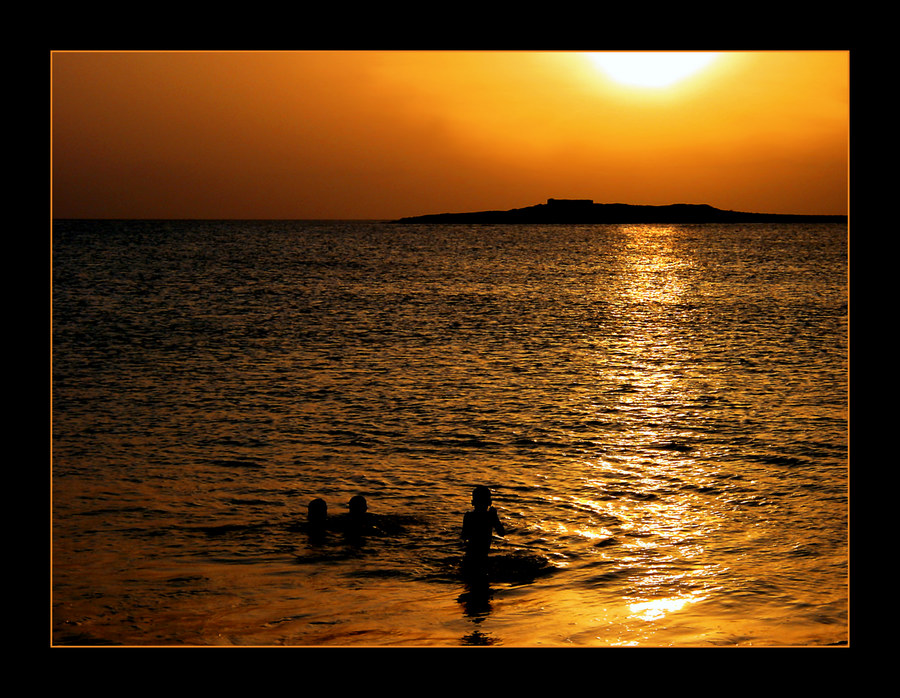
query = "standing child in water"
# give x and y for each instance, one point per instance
(479, 525)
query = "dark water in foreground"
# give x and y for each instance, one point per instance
(660, 411)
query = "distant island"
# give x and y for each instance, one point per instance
(586, 211)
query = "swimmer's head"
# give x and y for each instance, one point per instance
(358, 505)
(317, 510)
(481, 497)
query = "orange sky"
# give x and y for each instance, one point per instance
(391, 134)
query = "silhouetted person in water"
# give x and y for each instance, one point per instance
(478, 527)
(360, 520)
(317, 512)
(316, 515)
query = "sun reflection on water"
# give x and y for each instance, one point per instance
(654, 268)
(659, 608)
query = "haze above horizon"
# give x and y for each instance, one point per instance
(388, 134)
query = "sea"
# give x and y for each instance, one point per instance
(659, 411)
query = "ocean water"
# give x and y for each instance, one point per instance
(659, 411)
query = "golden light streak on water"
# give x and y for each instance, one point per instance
(660, 411)
(659, 608)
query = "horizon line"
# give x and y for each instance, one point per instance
(377, 219)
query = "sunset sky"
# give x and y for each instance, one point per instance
(374, 135)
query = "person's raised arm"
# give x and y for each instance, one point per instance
(498, 526)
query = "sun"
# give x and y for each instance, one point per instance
(652, 69)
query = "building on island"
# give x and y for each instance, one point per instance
(570, 202)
